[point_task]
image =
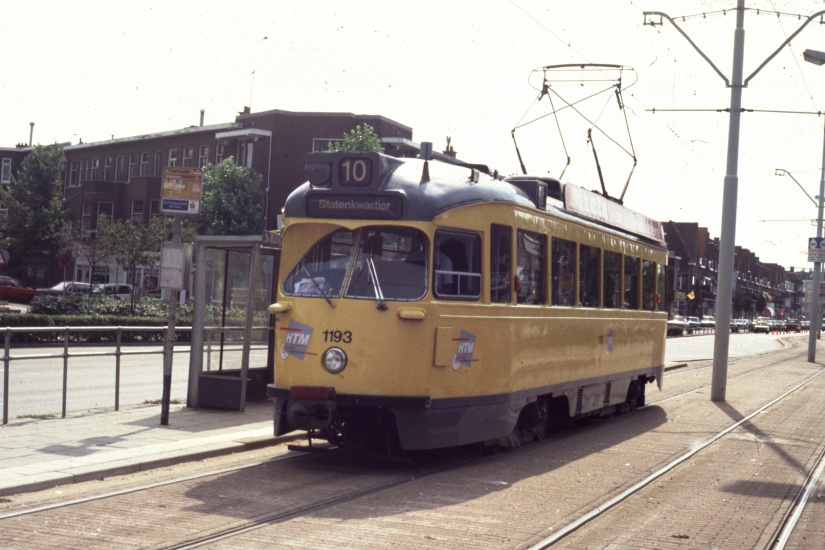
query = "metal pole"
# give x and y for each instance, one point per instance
(6, 359)
(169, 342)
(727, 241)
(816, 300)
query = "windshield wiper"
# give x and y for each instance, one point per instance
(320, 290)
(379, 294)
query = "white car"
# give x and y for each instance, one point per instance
(122, 291)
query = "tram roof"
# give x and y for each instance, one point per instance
(372, 186)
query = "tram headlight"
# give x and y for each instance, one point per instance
(334, 360)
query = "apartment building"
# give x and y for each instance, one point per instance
(120, 178)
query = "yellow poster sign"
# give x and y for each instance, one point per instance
(181, 190)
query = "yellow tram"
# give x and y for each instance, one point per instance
(425, 304)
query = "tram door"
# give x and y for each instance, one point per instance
(237, 282)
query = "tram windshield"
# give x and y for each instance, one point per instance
(378, 263)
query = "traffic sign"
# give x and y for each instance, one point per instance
(816, 249)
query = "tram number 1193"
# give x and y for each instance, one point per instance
(338, 336)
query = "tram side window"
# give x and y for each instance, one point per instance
(631, 282)
(649, 296)
(612, 279)
(457, 265)
(562, 270)
(531, 269)
(589, 276)
(500, 254)
(661, 285)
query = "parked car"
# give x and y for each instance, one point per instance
(117, 291)
(12, 291)
(693, 324)
(70, 288)
(762, 325)
(744, 324)
(708, 321)
(676, 326)
(805, 325)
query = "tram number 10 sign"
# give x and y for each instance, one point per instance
(181, 190)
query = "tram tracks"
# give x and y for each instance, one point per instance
(786, 526)
(331, 494)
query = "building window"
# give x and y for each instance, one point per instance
(5, 175)
(95, 169)
(132, 165)
(120, 168)
(245, 153)
(154, 209)
(219, 153)
(144, 164)
(105, 210)
(81, 172)
(137, 211)
(203, 155)
(320, 145)
(4, 214)
(86, 217)
(158, 163)
(173, 158)
(188, 152)
(73, 181)
(107, 169)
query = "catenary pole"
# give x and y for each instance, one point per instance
(727, 241)
(816, 299)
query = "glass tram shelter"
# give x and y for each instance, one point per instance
(231, 360)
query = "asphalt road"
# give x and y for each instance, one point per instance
(700, 347)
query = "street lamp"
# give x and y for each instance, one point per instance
(783, 172)
(817, 58)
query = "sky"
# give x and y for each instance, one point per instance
(467, 70)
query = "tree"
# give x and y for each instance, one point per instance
(232, 201)
(37, 212)
(93, 245)
(134, 244)
(358, 140)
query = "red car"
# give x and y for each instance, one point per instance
(12, 291)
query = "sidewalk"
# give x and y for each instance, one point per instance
(87, 445)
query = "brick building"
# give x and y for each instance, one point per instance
(120, 178)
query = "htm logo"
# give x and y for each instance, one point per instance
(464, 353)
(296, 340)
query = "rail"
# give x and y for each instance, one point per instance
(67, 353)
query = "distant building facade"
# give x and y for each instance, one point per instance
(121, 178)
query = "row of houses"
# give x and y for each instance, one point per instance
(121, 178)
(760, 288)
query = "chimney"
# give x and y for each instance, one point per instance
(246, 111)
(31, 132)
(202, 113)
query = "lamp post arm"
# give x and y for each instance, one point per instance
(799, 184)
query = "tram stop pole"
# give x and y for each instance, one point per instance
(169, 341)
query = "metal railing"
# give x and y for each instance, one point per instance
(68, 353)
